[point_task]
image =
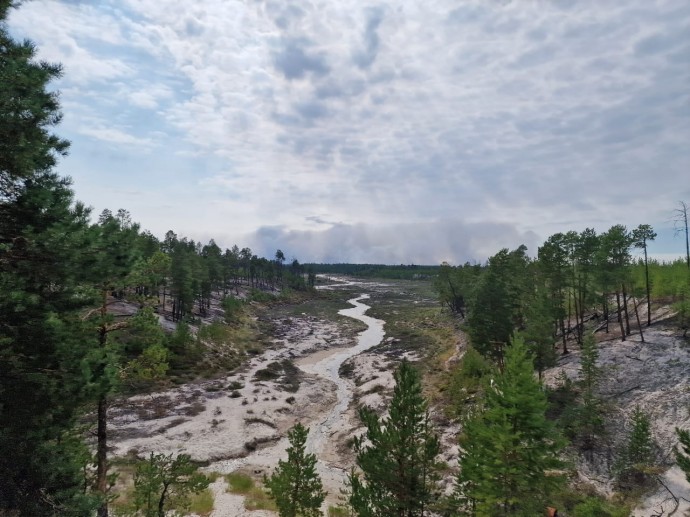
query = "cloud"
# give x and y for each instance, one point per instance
(367, 55)
(414, 243)
(533, 115)
(294, 59)
(116, 136)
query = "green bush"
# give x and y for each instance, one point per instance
(597, 507)
(233, 309)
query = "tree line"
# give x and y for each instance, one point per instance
(576, 278)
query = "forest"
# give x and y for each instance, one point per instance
(97, 314)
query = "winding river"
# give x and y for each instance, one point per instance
(328, 368)
(325, 364)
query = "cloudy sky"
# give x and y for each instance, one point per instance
(404, 131)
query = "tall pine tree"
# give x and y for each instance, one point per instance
(509, 450)
(42, 232)
(397, 455)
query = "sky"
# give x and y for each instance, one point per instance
(387, 132)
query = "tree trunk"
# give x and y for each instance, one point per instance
(102, 418)
(577, 318)
(102, 455)
(161, 501)
(565, 338)
(649, 296)
(605, 307)
(687, 243)
(637, 315)
(625, 310)
(620, 319)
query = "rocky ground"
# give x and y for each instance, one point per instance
(654, 376)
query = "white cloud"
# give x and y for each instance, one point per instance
(534, 114)
(115, 136)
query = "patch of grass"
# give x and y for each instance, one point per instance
(257, 295)
(347, 370)
(255, 497)
(337, 511)
(376, 388)
(215, 332)
(239, 483)
(213, 476)
(284, 372)
(258, 499)
(202, 503)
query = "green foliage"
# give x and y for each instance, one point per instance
(397, 455)
(295, 485)
(164, 483)
(256, 295)
(468, 379)
(202, 503)
(538, 333)
(453, 286)
(489, 322)
(151, 365)
(509, 450)
(589, 423)
(233, 309)
(683, 455)
(42, 339)
(597, 507)
(636, 461)
(239, 483)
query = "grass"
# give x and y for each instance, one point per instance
(258, 499)
(416, 321)
(202, 503)
(323, 305)
(255, 497)
(239, 483)
(284, 372)
(337, 511)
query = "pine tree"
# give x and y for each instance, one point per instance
(162, 482)
(509, 450)
(42, 233)
(295, 485)
(641, 236)
(397, 455)
(636, 461)
(589, 421)
(538, 333)
(683, 456)
(489, 322)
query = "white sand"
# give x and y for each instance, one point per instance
(248, 432)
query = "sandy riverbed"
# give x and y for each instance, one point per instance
(240, 423)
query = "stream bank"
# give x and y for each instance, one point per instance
(239, 422)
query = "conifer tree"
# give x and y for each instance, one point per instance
(42, 232)
(683, 455)
(636, 460)
(162, 482)
(295, 485)
(641, 236)
(538, 333)
(589, 422)
(396, 455)
(509, 449)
